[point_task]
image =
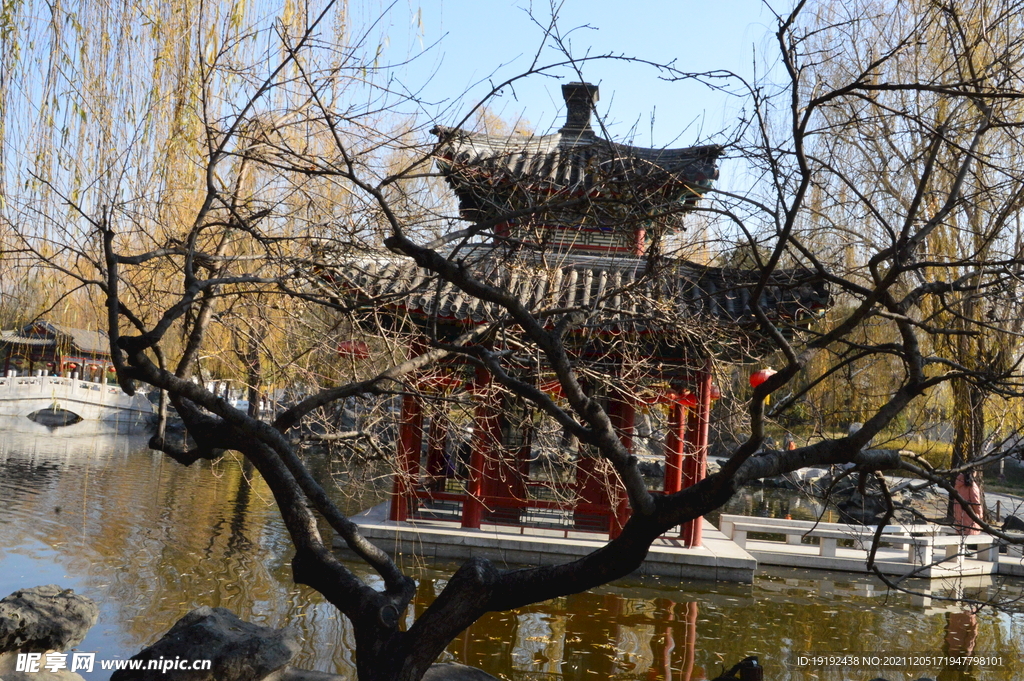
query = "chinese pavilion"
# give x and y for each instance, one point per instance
(576, 223)
(45, 346)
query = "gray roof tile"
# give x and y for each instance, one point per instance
(619, 290)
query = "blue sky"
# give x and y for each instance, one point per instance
(490, 40)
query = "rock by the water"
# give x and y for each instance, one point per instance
(456, 672)
(651, 466)
(1013, 524)
(862, 510)
(238, 650)
(45, 618)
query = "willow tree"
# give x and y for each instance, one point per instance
(898, 179)
(915, 192)
(188, 163)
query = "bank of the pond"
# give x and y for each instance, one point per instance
(150, 540)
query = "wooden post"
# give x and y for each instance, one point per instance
(410, 441)
(675, 444)
(622, 414)
(503, 481)
(639, 241)
(472, 506)
(437, 463)
(696, 463)
(591, 488)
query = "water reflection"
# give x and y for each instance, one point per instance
(150, 540)
(768, 502)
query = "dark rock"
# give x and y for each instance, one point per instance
(1013, 524)
(747, 668)
(862, 510)
(238, 650)
(651, 467)
(45, 618)
(456, 672)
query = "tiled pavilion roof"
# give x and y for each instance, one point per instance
(44, 333)
(601, 185)
(581, 256)
(622, 292)
(476, 164)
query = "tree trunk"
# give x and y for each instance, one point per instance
(968, 433)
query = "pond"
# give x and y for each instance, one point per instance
(150, 540)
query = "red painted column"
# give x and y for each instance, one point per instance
(502, 485)
(591, 488)
(622, 414)
(410, 440)
(695, 466)
(639, 241)
(472, 506)
(675, 443)
(437, 468)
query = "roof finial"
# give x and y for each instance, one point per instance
(579, 102)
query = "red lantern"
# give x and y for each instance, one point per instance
(716, 393)
(759, 377)
(111, 369)
(356, 349)
(688, 400)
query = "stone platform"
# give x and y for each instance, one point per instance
(923, 551)
(717, 559)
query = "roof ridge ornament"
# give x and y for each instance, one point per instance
(579, 103)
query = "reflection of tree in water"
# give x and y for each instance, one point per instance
(584, 636)
(639, 632)
(767, 502)
(238, 542)
(20, 481)
(151, 540)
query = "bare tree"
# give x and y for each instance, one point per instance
(891, 172)
(302, 188)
